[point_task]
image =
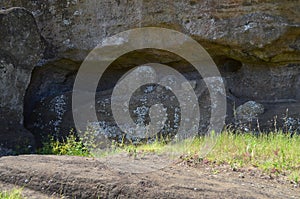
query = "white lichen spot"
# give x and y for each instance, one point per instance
(52, 10)
(59, 109)
(77, 13)
(68, 43)
(103, 128)
(143, 99)
(67, 22)
(149, 89)
(141, 113)
(36, 13)
(249, 26)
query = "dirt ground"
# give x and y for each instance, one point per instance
(122, 176)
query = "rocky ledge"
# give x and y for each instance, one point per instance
(255, 44)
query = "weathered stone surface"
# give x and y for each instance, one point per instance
(249, 111)
(53, 115)
(253, 31)
(255, 44)
(21, 47)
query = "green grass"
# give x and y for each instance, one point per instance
(275, 152)
(12, 194)
(272, 153)
(70, 146)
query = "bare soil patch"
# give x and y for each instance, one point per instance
(81, 177)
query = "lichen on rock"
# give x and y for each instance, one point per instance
(21, 47)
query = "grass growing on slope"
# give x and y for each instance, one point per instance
(276, 153)
(12, 194)
(273, 152)
(270, 152)
(70, 146)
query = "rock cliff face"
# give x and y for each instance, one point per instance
(21, 47)
(255, 44)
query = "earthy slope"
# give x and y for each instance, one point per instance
(79, 177)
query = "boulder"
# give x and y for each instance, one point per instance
(249, 111)
(21, 47)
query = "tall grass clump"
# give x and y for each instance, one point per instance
(271, 152)
(12, 194)
(71, 145)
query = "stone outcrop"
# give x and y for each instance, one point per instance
(253, 31)
(255, 44)
(21, 48)
(248, 112)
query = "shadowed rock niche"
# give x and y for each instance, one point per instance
(48, 100)
(147, 95)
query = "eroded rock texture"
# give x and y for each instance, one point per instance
(21, 48)
(255, 44)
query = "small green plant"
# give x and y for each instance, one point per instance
(12, 194)
(295, 177)
(70, 146)
(133, 150)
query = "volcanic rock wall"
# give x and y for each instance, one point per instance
(21, 48)
(255, 44)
